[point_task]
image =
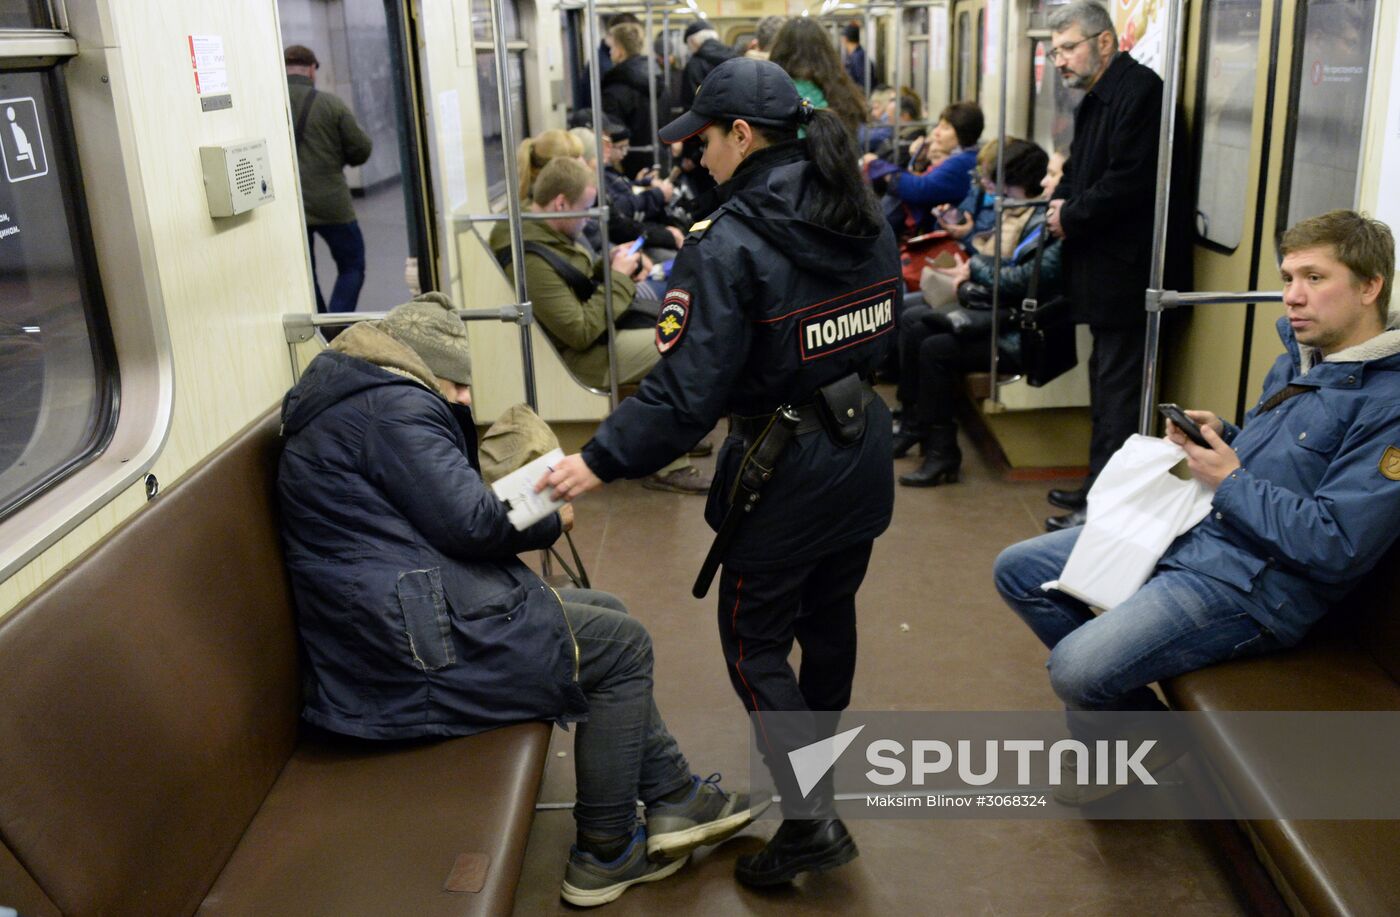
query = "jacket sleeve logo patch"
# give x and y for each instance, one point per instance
(1390, 463)
(845, 322)
(671, 320)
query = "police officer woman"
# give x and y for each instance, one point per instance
(779, 309)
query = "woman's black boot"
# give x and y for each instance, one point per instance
(909, 436)
(942, 458)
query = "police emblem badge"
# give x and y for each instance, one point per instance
(1390, 463)
(671, 320)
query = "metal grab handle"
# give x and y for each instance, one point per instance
(1161, 300)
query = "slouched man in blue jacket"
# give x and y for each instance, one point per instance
(419, 620)
(1306, 494)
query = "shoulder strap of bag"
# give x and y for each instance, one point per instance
(582, 286)
(300, 130)
(1032, 290)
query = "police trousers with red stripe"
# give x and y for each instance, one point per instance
(761, 613)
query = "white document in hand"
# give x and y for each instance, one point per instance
(517, 489)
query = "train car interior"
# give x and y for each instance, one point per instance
(167, 275)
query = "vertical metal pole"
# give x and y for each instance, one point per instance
(517, 243)
(1001, 192)
(651, 91)
(605, 254)
(1175, 26)
(898, 56)
(666, 73)
(870, 37)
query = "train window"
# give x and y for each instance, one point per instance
(964, 55)
(492, 139)
(916, 59)
(58, 379)
(1052, 102)
(28, 14)
(1327, 110)
(1229, 59)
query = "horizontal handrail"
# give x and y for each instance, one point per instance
(528, 217)
(300, 327)
(1161, 300)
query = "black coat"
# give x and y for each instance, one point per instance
(706, 58)
(416, 616)
(764, 308)
(1110, 191)
(626, 97)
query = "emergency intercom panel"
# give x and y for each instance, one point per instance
(236, 177)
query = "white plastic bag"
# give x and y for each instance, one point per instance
(1136, 508)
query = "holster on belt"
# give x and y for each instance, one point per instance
(754, 473)
(841, 407)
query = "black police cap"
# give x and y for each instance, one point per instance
(758, 91)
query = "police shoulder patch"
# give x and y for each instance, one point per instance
(671, 320)
(1390, 463)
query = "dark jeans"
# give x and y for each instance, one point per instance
(1179, 621)
(760, 614)
(347, 247)
(1115, 388)
(623, 752)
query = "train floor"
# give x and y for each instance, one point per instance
(934, 635)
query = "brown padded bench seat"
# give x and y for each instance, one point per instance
(151, 757)
(1351, 661)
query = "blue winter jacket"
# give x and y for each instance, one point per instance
(946, 183)
(1316, 502)
(416, 615)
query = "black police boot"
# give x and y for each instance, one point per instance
(1068, 499)
(942, 459)
(910, 435)
(798, 846)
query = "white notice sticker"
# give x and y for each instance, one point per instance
(207, 59)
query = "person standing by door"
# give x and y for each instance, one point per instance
(328, 138)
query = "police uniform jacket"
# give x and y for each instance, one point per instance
(764, 308)
(1313, 506)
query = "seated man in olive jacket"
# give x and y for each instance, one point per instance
(419, 620)
(569, 305)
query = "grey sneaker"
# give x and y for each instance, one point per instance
(687, 480)
(589, 882)
(1158, 758)
(707, 816)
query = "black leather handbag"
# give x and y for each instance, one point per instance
(1047, 330)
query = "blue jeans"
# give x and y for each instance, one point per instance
(347, 246)
(623, 752)
(1177, 622)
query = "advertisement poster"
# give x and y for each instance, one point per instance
(1140, 25)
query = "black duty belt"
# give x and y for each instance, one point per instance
(808, 418)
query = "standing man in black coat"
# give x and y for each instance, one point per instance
(627, 93)
(706, 53)
(1104, 212)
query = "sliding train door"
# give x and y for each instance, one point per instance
(1277, 93)
(368, 54)
(969, 30)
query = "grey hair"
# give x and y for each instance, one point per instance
(1091, 17)
(700, 37)
(767, 30)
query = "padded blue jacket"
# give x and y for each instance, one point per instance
(1315, 503)
(416, 615)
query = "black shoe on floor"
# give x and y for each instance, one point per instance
(942, 459)
(1068, 499)
(798, 846)
(1067, 521)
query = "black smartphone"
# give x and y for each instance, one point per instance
(1176, 415)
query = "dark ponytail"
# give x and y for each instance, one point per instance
(839, 198)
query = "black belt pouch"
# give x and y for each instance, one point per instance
(841, 406)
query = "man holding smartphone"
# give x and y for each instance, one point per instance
(1306, 495)
(564, 280)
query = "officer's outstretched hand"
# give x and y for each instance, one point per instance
(570, 477)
